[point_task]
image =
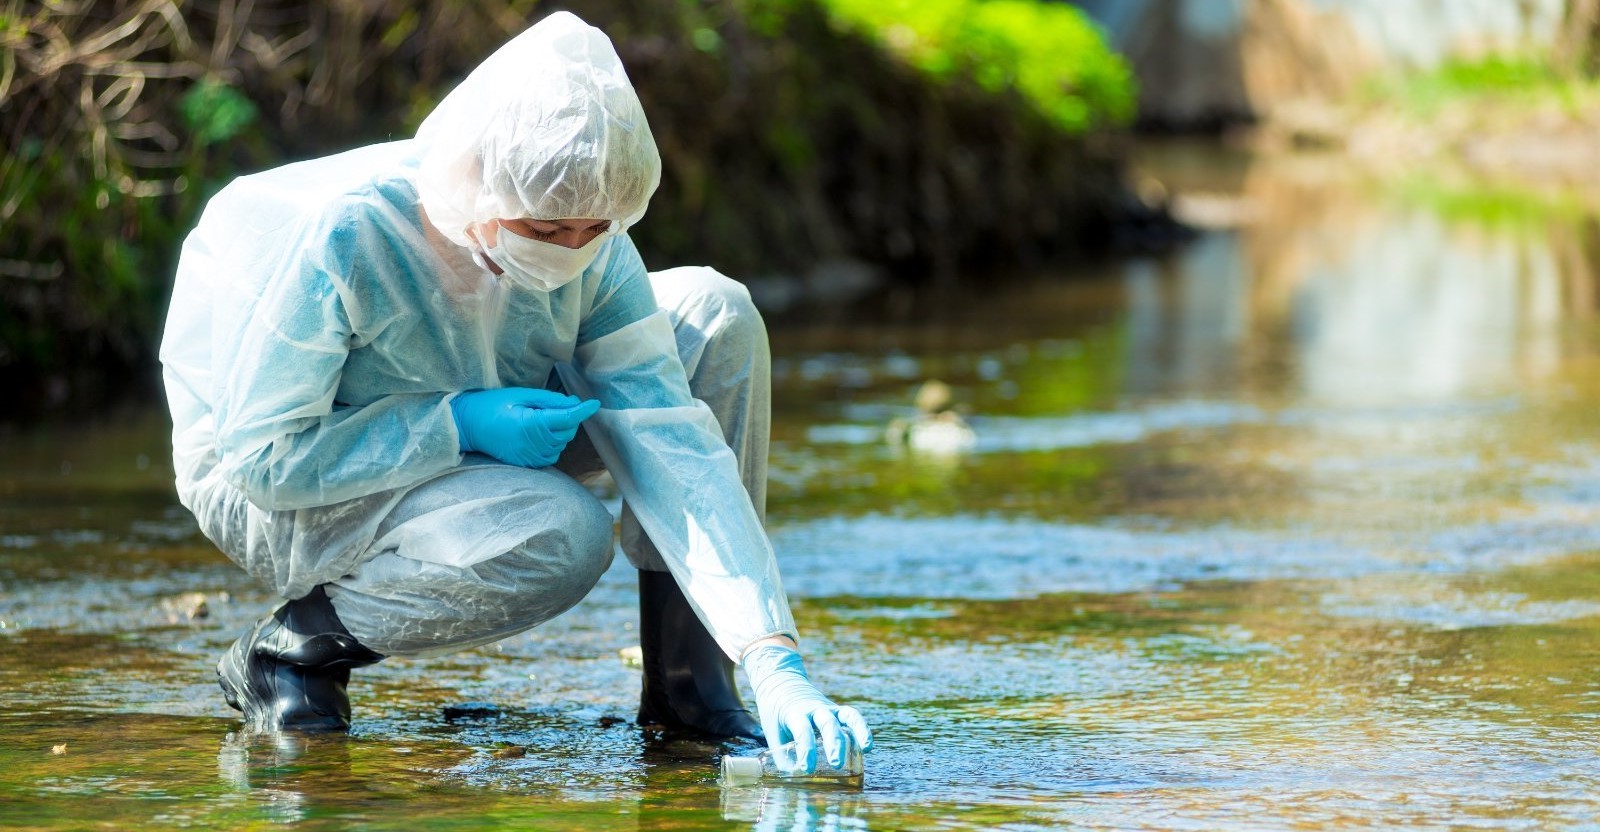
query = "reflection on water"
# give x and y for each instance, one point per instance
(1383, 305)
(1298, 527)
(276, 772)
(783, 809)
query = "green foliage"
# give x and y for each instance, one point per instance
(1496, 73)
(767, 17)
(789, 138)
(1526, 79)
(706, 40)
(1049, 53)
(215, 111)
(95, 186)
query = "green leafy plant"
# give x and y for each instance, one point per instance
(1049, 53)
(1506, 79)
(925, 139)
(215, 111)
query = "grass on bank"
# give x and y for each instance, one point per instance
(1516, 84)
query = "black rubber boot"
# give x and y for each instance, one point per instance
(289, 672)
(688, 680)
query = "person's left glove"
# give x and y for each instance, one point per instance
(519, 425)
(792, 709)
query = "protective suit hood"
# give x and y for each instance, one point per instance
(548, 127)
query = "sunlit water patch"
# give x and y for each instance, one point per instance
(985, 557)
(994, 434)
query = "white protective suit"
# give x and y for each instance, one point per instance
(326, 312)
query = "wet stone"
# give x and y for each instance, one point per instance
(471, 710)
(190, 606)
(509, 752)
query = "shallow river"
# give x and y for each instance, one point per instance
(1297, 527)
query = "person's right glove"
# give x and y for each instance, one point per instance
(519, 425)
(792, 709)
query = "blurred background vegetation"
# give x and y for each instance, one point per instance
(818, 140)
(813, 145)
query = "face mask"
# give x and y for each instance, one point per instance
(535, 264)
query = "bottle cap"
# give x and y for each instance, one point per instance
(740, 771)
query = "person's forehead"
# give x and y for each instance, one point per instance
(567, 223)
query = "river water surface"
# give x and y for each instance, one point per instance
(1297, 527)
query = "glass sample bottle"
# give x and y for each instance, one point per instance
(779, 766)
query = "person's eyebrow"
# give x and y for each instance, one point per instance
(539, 225)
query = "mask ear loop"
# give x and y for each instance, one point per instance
(475, 247)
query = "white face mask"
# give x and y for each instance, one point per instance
(536, 264)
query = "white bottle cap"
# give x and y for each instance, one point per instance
(740, 771)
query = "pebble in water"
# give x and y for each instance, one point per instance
(470, 710)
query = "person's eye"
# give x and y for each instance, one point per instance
(545, 236)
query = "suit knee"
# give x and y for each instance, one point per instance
(577, 550)
(731, 299)
(560, 563)
(593, 542)
(708, 299)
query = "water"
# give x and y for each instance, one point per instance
(1297, 528)
(787, 766)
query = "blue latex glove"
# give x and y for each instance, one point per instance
(793, 710)
(519, 425)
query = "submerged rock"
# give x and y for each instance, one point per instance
(940, 433)
(191, 606)
(938, 427)
(471, 710)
